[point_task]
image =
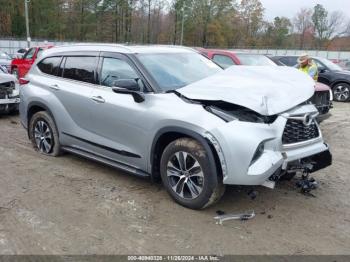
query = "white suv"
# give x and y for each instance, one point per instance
(170, 113)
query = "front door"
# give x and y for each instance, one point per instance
(117, 118)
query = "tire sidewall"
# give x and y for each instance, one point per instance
(44, 116)
(210, 175)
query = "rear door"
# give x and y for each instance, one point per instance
(73, 89)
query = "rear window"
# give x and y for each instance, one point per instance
(80, 68)
(50, 65)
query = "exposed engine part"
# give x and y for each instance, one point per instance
(306, 183)
(237, 112)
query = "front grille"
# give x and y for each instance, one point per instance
(295, 132)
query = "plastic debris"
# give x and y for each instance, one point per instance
(242, 217)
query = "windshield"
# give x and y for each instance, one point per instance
(3, 55)
(175, 70)
(255, 60)
(330, 64)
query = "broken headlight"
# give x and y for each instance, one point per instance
(229, 112)
(221, 113)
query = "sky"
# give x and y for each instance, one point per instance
(289, 8)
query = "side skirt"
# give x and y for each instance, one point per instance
(106, 161)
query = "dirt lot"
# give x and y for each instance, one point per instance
(69, 205)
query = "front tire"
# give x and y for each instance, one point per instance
(341, 92)
(187, 174)
(43, 134)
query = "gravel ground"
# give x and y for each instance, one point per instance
(69, 205)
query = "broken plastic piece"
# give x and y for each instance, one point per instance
(269, 184)
(243, 216)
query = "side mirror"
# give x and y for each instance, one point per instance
(130, 87)
(322, 70)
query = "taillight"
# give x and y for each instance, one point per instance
(23, 81)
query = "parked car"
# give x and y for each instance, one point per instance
(322, 98)
(5, 60)
(227, 58)
(9, 92)
(20, 66)
(20, 52)
(170, 113)
(345, 64)
(329, 73)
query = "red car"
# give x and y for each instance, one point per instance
(20, 66)
(225, 58)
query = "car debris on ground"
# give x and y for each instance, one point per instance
(242, 217)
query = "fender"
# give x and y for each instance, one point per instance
(202, 140)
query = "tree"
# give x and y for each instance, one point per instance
(280, 30)
(251, 13)
(303, 25)
(326, 26)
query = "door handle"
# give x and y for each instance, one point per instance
(98, 99)
(55, 87)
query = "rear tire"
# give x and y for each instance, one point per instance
(187, 175)
(341, 92)
(44, 135)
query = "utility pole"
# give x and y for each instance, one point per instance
(182, 25)
(27, 21)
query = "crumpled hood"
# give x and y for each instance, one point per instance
(267, 90)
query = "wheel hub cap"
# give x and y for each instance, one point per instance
(341, 93)
(185, 175)
(43, 137)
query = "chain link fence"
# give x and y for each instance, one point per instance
(12, 45)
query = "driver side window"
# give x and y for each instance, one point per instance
(114, 69)
(320, 66)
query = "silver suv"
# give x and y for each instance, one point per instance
(169, 113)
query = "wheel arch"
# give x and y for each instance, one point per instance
(343, 81)
(169, 134)
(35, 107)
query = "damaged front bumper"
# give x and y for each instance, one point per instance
(8, 101)
(9, 105)
(239, 142)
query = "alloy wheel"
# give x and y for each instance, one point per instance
(185, 175)
(341, 93)
(43, 137)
